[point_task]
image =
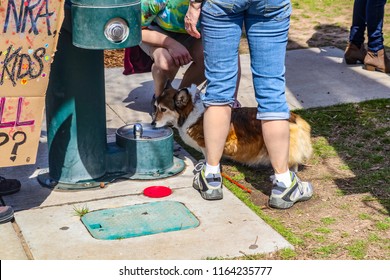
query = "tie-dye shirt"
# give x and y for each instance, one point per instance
(168, 14)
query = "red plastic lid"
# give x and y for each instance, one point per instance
(157, 191)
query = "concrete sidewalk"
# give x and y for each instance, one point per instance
(45, 226)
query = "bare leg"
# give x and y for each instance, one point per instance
(216, 124)
(276, 135)
(163, 69)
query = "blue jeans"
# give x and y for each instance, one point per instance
(266, 23)
(368, 13)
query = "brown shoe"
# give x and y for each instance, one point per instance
(377, 61)
(353, 54)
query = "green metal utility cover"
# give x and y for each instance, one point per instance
(138, 220)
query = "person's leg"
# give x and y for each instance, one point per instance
(375, 13)
(221, 38)
(195, 73)
(356, 35)
(267, 32)
(267, 40)
(355, 51)
(236, 103)
(276, 135)
(376, 58)
(163, 69)
(221, 31)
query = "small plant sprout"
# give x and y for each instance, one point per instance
(80, 211)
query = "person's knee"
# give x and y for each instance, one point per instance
(163, 61)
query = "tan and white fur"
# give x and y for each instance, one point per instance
(184, 110)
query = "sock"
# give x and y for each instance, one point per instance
(214, 169)
(284, 178)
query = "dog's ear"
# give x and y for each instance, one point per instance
(181, 98)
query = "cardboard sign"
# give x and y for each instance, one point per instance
(29, 31)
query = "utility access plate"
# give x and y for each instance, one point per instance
(138, 220)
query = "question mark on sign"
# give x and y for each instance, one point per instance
(17, 144)
(6, 138)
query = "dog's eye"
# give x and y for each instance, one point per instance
(163, 110)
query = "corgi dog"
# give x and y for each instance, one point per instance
(184, 110)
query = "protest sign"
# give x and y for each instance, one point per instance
(29, 31)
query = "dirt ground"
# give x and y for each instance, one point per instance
(330, 225)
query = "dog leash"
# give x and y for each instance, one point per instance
(236, 183)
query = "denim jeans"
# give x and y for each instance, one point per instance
(266, 23)
(368, 13)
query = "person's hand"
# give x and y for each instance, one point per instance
(179, 53)
(191, 19)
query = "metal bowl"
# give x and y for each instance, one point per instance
(149, 151)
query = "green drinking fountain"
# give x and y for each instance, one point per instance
(78, 153)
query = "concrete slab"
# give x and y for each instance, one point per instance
(315, 77)
(226, 229)
(10, 244)
(319, 77)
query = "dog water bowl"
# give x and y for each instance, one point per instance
(138, 220)
(149, 151)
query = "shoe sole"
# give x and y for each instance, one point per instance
(7, 218)
(212, 196)
(353, 61)
(373, 68)
(3, 193)
(281, 204)
(207, 196)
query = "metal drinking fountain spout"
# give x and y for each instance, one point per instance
(138, 131)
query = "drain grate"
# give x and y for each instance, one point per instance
(138, 220)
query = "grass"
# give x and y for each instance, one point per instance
(357, 250)
(326, 251)
(357, 135)
(331, 15)
(360, 121)
(80, 211)
(275, 223)
(328, 220)
(330, 141)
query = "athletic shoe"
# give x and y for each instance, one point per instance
(283, 198)
(210, 186)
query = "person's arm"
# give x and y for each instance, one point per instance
(192, 17)
(156, 39)
(179, 53)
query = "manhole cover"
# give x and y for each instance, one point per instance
(138, 220)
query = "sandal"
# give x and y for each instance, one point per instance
(9, 186)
